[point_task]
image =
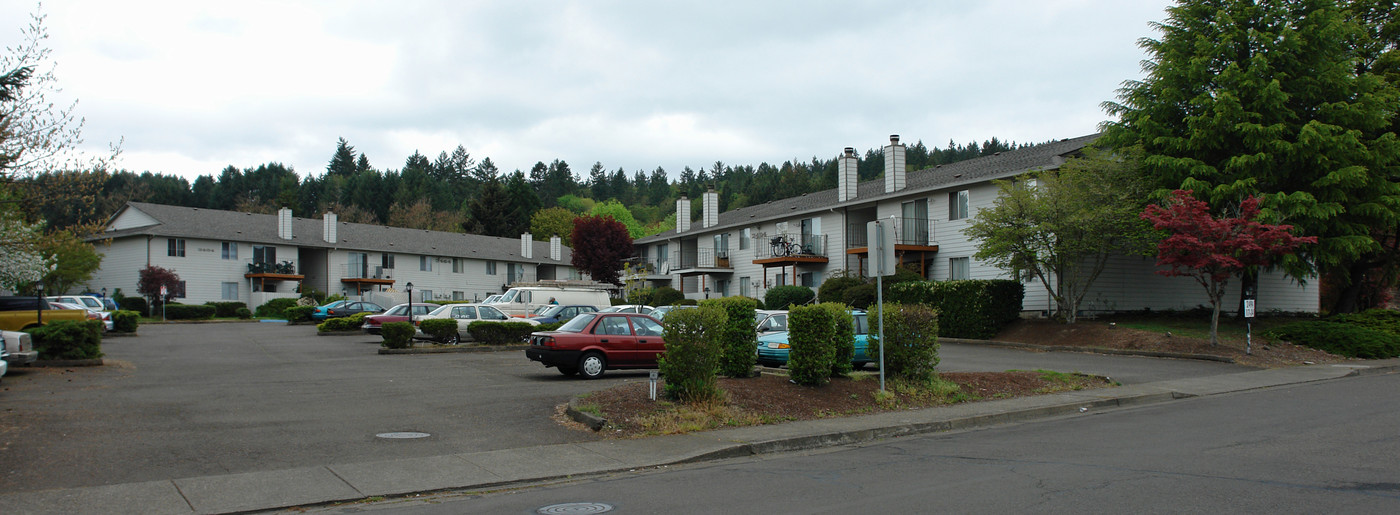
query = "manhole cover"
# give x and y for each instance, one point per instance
(399, 435)
(575, 507)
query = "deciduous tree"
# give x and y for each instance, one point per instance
(553, 221)
(151, 278)
(600, 245)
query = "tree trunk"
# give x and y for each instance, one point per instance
(1349, 298)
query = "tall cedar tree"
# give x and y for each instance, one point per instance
(1276, 99)
(600, 245)
(1211, 250)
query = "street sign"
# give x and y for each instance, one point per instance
(163, 291)
(879, 238)
(1249, 308)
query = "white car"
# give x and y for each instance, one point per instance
(4, 357)
(104, 316)
(19, 348)
(85, 301)
(466, 314)
(627, 308)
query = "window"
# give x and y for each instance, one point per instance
(425, 295)
(722, 287)
(957, 205)
(744, 286)
(425, 263)
(722, 245)
(386, 261)
(613, 326)
(264, 254)
(230, 251)
(490, 268)
(230, 291)
(958, 268)
(661, 253)
(464, 313)
(457, 295)
(355, 266)
(744, 237)
(807, 279)
(913, 229)
(175, 247)
(179, 291)
(514, 272)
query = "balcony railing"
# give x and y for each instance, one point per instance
(789, 245)
(365, 272)
(907, 231)
(702, 258)
(283, 268)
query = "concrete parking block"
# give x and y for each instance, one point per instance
(152, 497)
(263, 490)
(414, 475)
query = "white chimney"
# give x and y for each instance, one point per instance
(284, 223)
(709, 209)
(328, 227)
(894, 165)
(846, 177)
(682, 214)
(556, 248)
(527, 246)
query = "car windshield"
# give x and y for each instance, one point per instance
(335, 304)
(611, 309)
(577, 324)
(544, 311)
(440, 310)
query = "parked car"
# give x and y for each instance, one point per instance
(493, 298)
(82, 301)
(773, 348)
(351, 307)
(92, 314)
(4, 357)
(767, 321)
(660, 313)
(628, 308)
(521, 301)
(398, 313)
(108, 303)
(20, 347)
(19, 312)
(594, 342)
(466, 314)
(320, 312)
(555, 314)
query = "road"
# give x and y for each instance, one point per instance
(188, 400)
(1327, 447)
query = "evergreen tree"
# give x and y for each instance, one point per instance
(484, 212)
(598, 182)
(521, 202)
(343, 160)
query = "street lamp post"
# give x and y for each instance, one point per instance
(409, 287)
(39, 303)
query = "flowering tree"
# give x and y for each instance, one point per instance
(1210, 250)
(21, 263)
(600, 245)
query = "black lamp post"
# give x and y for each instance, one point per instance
(409, 287)
(39, 302)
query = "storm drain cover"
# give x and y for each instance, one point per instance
(575, 508)
(400, 435)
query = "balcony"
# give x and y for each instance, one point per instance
(910, 234)
(649, 270)
(266, 272)
(702, 261)
(360, 275)
(789, 249)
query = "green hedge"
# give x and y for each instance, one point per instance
(125, 321)
(298, 313)
(737, 339)
(68, 339)
(136, 304)
(1344, 338)
(693, 353)
(274, 308)
(967, 309)
(911, 344)
(781, 297)
(440, 329)
(186, 312)
(226, 309)
(859, 297)
(843, 338)
(243, 314)
(350, 323)
(502, 333)
(834, 288)
(811, 330)
(397, 335)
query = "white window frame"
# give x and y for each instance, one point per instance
(490, 268)
(227, 288)
(959, 204)
(175, 247)
(425, 263)
(230, 250)
(959, 266)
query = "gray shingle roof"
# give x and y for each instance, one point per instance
(986, 168)
(214, 224)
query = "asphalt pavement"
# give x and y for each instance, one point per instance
(267, 484)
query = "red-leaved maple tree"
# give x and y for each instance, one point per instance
(600, 245)
(1211, 250)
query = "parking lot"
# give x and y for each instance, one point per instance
(185, 400)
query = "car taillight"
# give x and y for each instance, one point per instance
(547, 341)
(93, 316)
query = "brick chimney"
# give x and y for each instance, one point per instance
(846, 177)
(894, 165)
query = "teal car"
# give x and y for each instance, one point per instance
(773, 347)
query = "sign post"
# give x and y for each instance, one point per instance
(164, 299)
(879, 238)
(1248, 319)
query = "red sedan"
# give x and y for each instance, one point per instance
(398, 313)
(593, 342)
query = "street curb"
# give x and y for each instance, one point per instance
(59, 363)
(356, 332)
(593, 422)
(1091, 350)
(455, 349)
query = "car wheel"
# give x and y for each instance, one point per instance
(858, 365)
(454, 339)
(568, 371)
(592, 365)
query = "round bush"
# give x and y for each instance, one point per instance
(859, 297)
(784, 297)
(397, 335)
(833, 288)
(692, 353)
(440, 329)
(243, 313)
(125, 321)
(666, 296)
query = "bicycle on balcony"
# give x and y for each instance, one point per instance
(782, 246)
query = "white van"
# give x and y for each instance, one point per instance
(522, 300)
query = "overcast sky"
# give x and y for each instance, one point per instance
(196, 86)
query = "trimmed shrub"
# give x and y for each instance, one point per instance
(226, 309)
(664, 296)
(687, 302)
(397, 335)
(68, 339)
(810, 332)
(439, 329)
(503, 333)
(693, 353)
(185, 312)
(549, 327)
(1378, 319)
(136, 304)
(757, 303)
(781, 297)
(1340, 338)
(617, 302)
(843, 338)
(245, 313)
(911, 341)
(968, 309)
(350, 323)
(736, 337)
(859, 297)
(275, 308)
(834, 288)
(298, 313)
(125, 321)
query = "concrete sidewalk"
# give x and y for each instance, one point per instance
(352, 481)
